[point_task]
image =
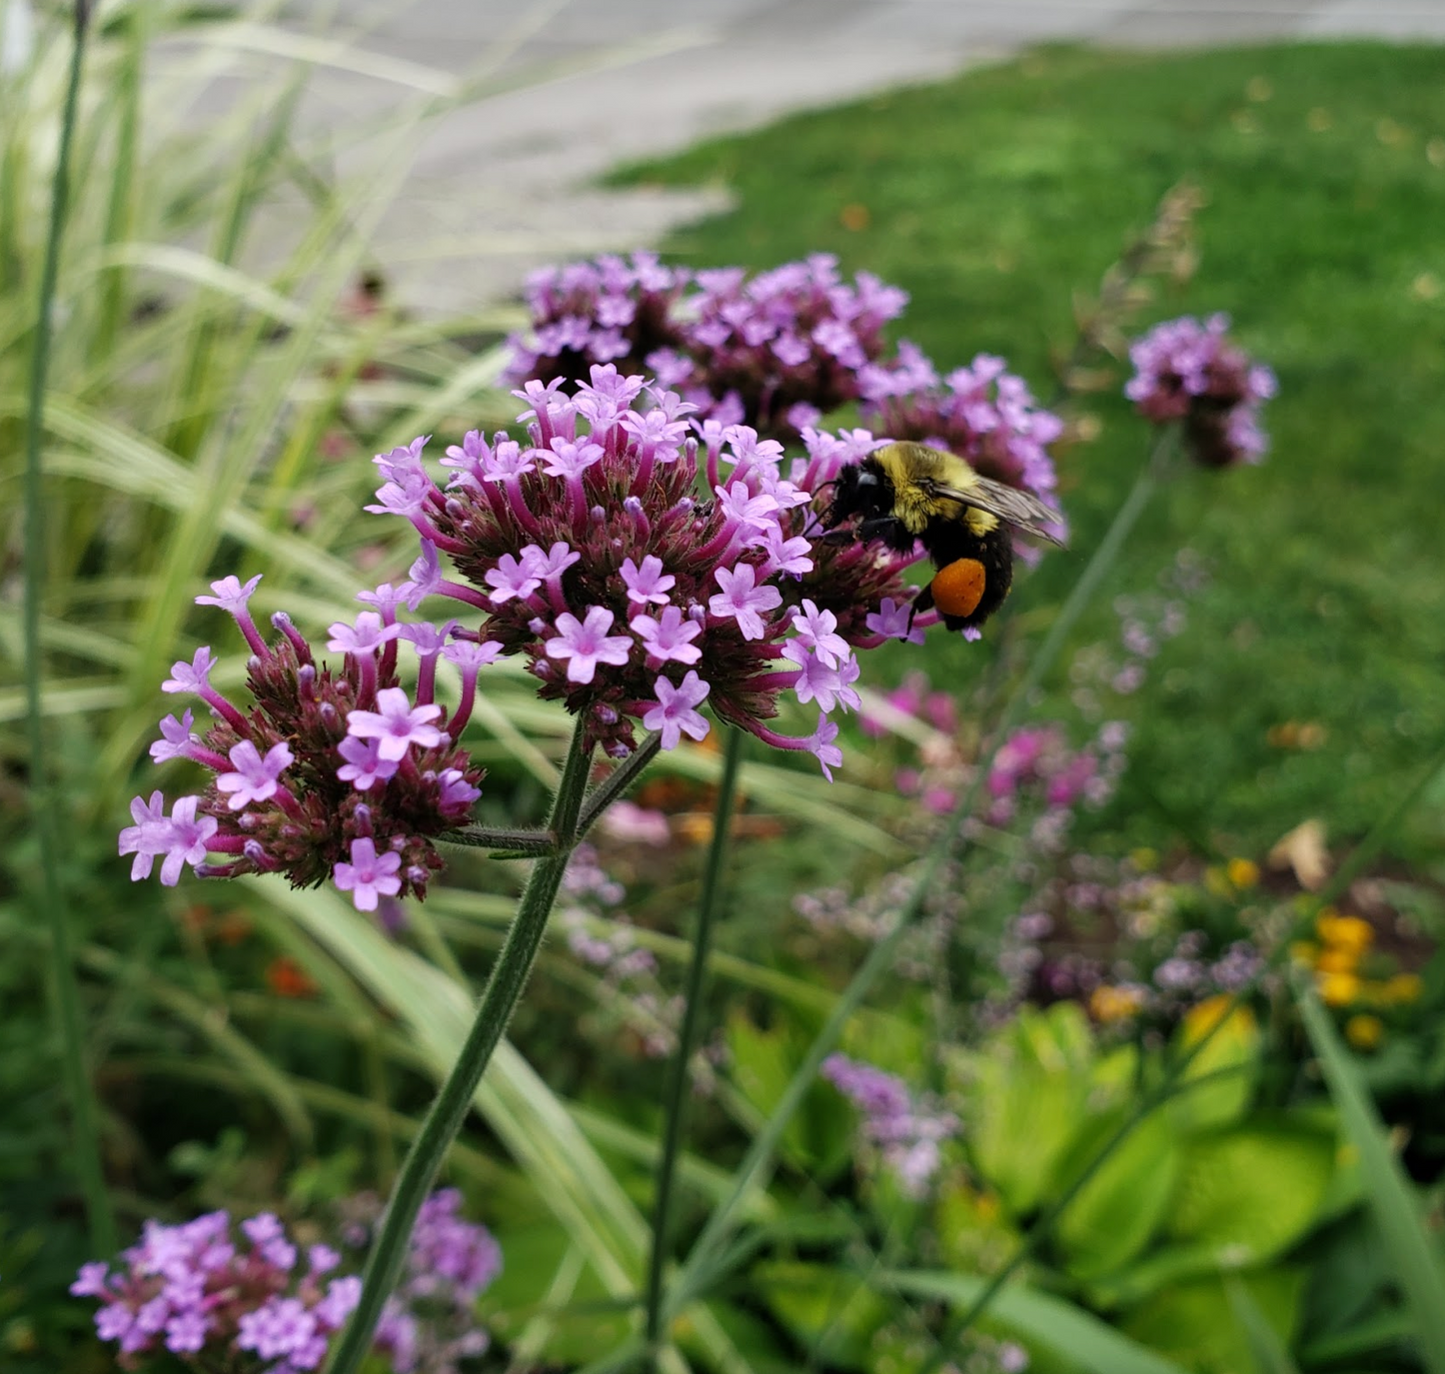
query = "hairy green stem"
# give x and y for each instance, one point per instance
(617, 782)
(703, 1257)
(691, 1021)
(453, 1102)
(66, 991)
(515, 841)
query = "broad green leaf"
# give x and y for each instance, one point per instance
(830, 1311)
(1391, 1196)
(1194, 1322)
(1249, 1193)
(1228, 1064)
(763, 1062)
(1124, 1203)
(1030, 1091)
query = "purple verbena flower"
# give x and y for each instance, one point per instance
(908, 1131)
(326, 759)
(660, 571)
(1190, 372)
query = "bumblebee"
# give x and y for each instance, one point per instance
(908, 494)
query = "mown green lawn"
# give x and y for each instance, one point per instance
(996, 197)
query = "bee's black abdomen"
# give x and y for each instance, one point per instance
(949, 541)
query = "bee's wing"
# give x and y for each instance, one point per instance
(1021, 509)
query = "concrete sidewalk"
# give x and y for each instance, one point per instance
(506, 182)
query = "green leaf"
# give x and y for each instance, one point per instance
(1248, 1194)
(828, 1310)
(1228, 1065)
(1029, 1094)
(1270, 1354)
(1390, 1193)
(1039, 1319)
(1194, 1322)
(1123, 1204)
(763, 1063)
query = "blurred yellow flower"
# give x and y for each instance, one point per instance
(1109, 1004)
(1364, 1031)
(1338, 989)
(1337, 960)
(1145, 860)
(1202, 1018)
(1344, 932)
(1403, 987)
(1242, 873)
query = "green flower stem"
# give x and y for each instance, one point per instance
(617, 782)
(702, 1261)
(449, 1110)
(65, 989)
(691, 1020)
(540, 842)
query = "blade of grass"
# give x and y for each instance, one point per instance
(1059, 1326)
(65, 988)
(691, 1022)
(1391, 1196)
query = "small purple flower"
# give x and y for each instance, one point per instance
(647, 583)
(675, 713)
(368, 876)
(194, 676)
(176, 738)
(183, 839)
(669, 637)
(743, 600)
(815, 630)
(894, 620)
(586, 643)
(519, 576)
(908, 1131)
(255, 779)
(397, 726)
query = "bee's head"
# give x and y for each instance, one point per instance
(859, 489)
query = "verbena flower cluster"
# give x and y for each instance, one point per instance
(205, 1293)
(909, 1131)
(219, 1296)
(982, 412)
(774, 351)
(635, 596)
(331, 773)
(1190, 372)
(429, 1324)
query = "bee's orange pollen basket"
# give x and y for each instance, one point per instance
(958, 588)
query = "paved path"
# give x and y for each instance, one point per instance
(504, 186)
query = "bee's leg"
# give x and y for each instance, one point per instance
(890, 531)
(923, 601)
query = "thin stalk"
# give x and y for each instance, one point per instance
(449, 1110)
(881, 957)
(539, 842)
(66, 989)
(691, 1022)
(618, 781)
